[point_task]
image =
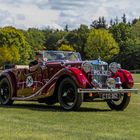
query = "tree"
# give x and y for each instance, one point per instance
(124, 19)
(131, 57)
(135, 30)
(66, 28)
(9, 54)
(133, 50)
(111, 22)
(83, 33)
(77, 38)
(65, 48)
(14, 41)
(116, 21)
(134, 21)
(36, 38)
(100, 23)
(55, 39)
(100, 43)
(122, 34)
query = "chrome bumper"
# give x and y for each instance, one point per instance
(93, 90)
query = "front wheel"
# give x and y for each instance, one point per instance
(68, 96)
(5, 92)
(121, 103)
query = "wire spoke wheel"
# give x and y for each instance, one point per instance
(5, 92)
(121, 103)
(68, 97)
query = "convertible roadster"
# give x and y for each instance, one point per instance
(63, 77)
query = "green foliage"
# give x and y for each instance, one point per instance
(131, 58)
(132, 50)
(136, 31)
(100, 43)
(55, 39)
(9, 54)
(83, 33)
(78, 38)
(65, 48)
(4, 55)
(121, 33)
(36, 38)
(127, 36)
(73, 39)
(14, 41)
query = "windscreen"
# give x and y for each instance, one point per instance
(61, 55)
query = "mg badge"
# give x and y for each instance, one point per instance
(29, 81)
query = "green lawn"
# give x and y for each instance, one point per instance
(137, 81)
(137, 78)
(94, 121)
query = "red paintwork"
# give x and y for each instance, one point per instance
(119, 74)
(47, 76)
(125, 77)
(80, 76)
(128, 78)
(44, 79)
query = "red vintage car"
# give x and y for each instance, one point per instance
(63, 77)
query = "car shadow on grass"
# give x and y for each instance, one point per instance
(52, 108)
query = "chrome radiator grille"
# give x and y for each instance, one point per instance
(99, 74)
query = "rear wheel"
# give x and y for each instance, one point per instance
(5, 92)
(68, 97)
(120, 104)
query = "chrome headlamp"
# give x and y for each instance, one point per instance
(86, 66)
(114, 67)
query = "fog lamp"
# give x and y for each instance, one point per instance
(110, 82)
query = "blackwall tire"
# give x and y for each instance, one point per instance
(68, 96)
(6, 92)
(123, 103)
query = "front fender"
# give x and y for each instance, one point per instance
(81, 78)
(74, 73)
(128, 78)
(125, 77)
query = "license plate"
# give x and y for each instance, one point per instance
(110, 95)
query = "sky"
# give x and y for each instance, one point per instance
(57, 13)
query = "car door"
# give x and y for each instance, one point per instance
(28, 82)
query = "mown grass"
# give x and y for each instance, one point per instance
(137, 78)
(94, 121)
(137, 81)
